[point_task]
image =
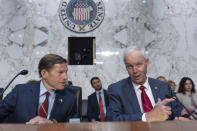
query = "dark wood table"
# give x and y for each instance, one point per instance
(106, 126)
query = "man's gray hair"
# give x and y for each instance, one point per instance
(131, 49)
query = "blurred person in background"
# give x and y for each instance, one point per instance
(172, 85)
(187, 93)
(97, 101)
(161, 78)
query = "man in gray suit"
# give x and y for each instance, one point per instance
(139, 97)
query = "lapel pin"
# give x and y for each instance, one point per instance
(156, 87)
(60, 100)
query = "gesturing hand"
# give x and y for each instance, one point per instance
(160, 112)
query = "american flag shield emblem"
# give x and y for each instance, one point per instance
(81, 15)
(82, 11)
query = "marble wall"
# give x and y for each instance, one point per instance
(30, 29)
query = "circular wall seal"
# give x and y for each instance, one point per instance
(81, 15)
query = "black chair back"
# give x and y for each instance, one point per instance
(77, 91)
(84, 110)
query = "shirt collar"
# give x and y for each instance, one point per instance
(43, 89)
(100, 91)
(146, 85)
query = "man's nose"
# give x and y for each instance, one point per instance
(134, 69)
(65, 76)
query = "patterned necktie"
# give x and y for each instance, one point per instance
(146, 104)
(44, 107)
(102, 115)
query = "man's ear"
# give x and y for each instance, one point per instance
(44, 73)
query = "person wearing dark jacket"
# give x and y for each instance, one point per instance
(45, 101)
(97, 101)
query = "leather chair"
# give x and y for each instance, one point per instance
(84, 110)
(77, 91)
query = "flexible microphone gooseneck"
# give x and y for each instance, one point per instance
(23, 72)
(189, 112)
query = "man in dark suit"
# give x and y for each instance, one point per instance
(45, 101)
(139, 97)
(97, 102)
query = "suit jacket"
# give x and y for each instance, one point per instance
(21, 104)
(93, 106)
(123, 102)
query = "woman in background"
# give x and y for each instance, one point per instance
(187, 93)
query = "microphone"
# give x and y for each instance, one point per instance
(189, 112)
(23, 72)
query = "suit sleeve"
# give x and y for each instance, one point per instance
(115, 111)
(8, 104)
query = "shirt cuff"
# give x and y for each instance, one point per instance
(144, 117)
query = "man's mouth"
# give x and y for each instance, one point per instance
(137, 77)
(63, 83)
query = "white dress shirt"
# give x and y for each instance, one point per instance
(148, 92)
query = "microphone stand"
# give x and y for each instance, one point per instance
(189, 112)
(23, 72)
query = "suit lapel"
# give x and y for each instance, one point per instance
(58, 105)
(154, 89)
(129, 92)
(96, 101)
(59, 99)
